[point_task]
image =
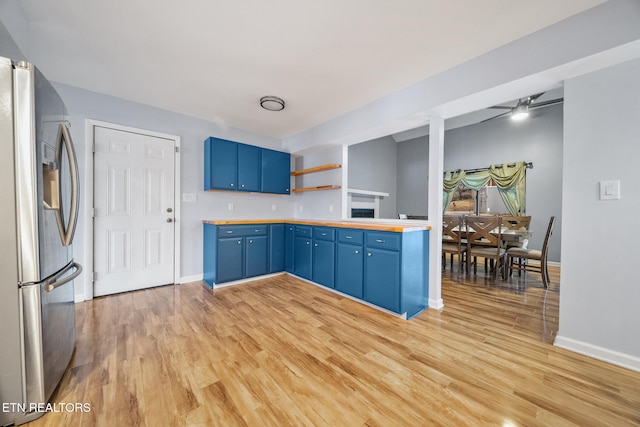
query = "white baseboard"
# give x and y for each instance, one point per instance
(241, 281)
(610, 356)
(189, 279)
(436, 304)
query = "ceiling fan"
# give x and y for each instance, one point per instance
(521, 109)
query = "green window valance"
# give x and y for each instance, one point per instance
(510, 178)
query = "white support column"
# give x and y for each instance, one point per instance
(436, 171)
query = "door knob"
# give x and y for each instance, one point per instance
(169, 210)
(169, 219)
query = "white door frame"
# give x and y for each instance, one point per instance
(90, 125)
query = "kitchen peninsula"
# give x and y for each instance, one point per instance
(382, 264)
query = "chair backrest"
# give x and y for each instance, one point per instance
(451, 228)
(484, 230)
(516, 222)
(545, 245)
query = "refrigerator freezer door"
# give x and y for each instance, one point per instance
(49, 333)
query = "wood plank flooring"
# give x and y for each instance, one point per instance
(279, 352)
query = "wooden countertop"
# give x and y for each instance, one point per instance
(365, 225)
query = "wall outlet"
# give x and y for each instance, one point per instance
(330, 208)
(189, 197)
(273, 207)
(230, 206)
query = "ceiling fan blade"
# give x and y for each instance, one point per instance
(547, 103)
(498, 116)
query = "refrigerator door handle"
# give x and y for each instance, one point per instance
(68, 230)
(57, 283)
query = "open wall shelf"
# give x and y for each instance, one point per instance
(321, 168)
(318, 188)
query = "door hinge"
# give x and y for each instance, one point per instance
(177, 149)
(93, 212)
(94, 277)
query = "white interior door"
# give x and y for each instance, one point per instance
(134, 236)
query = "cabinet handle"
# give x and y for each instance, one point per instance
(242, 185)
(323, 234)
(381, 241)
(369, 254)
(349, 237)
(316, 245)
(257, 231)
(250, 241)
(357, 251)
(231, 185)
(229, 232)
(239, 242)
(308, 243)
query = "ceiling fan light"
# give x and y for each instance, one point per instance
(520, 112)
(272, 103)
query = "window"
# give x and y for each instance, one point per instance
(471, 202)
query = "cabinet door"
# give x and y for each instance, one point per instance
(221, 164)
(230, 259)
(289, 244)
(349, 269)
(256, 260)
(276, 248)
(302, 257)
(249, 167)
(276, 171)
(382, 278)
(323, 263)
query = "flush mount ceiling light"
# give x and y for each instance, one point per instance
(272, 103)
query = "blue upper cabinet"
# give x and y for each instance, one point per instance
(276, 171)
(220, 164)
(234, 166)
(249, 167)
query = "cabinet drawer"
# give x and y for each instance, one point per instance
(242, 230)
(303, 231)
(383, 240)
(324, 233)
(354, 237)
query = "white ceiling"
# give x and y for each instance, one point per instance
(214, 59)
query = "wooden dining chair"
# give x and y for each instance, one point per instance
(484, 238)
(452, 241)
(525, 255)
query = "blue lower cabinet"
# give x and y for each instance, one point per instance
(230, 259)
(302, 257)
(323, 260)
(349, 269)
(289, 244)
(256, 259)
(276, 248)
(382, 278)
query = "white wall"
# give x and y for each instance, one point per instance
(324, 204)
(413, 176)
(600, 296)
(84, 105)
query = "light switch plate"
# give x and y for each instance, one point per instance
(610, 190)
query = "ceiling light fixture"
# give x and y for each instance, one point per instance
(272, 103)
(520, 112)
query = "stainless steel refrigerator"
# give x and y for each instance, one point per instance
(39, 199)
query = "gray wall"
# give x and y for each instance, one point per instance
(600, 296)
(413, 176)
(537, 139)
(372, 166)
(83, 104)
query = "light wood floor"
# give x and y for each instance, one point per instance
(280, 351)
